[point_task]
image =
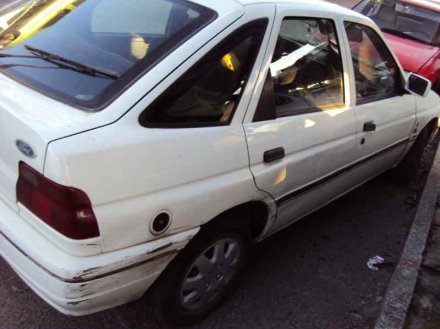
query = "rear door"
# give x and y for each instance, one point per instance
(303, 129)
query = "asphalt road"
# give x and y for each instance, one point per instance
(311, 275)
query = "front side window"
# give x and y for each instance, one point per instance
(208, 94)
(85, 52)
(376, 72)
(306, 69)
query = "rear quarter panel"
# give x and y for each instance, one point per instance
(132, 173)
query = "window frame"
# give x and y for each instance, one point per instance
(399, 88)
(262, 23)
(264, 114)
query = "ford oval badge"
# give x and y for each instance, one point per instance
(25, 148)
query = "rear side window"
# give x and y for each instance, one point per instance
(307, 67)
(306, 71)
(208, 94)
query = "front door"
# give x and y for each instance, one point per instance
(385, 113)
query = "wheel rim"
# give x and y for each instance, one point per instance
(210, 274)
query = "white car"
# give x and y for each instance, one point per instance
(151, 141)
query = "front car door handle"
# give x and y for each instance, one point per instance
(369, 126)
(274, 154)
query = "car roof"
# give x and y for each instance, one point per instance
(318, 4)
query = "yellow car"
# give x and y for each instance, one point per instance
(34, 17)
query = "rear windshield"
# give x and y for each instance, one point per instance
(405, 19)
(86, 52)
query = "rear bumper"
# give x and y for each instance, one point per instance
(83, 285)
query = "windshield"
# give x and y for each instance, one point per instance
(86, 52)
(419, 23)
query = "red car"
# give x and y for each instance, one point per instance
(412, 27)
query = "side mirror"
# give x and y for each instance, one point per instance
(418, 85)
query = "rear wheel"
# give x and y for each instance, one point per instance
(201, 276)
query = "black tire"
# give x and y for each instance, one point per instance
(168, 299)
(407, 168)
(436, 87)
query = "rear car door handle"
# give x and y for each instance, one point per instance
(369, 126)
(274, 154)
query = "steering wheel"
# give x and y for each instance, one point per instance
(365, 87)
(381, 66)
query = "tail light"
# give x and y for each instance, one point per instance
(65, 209)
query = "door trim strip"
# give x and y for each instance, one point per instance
(306, 189)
